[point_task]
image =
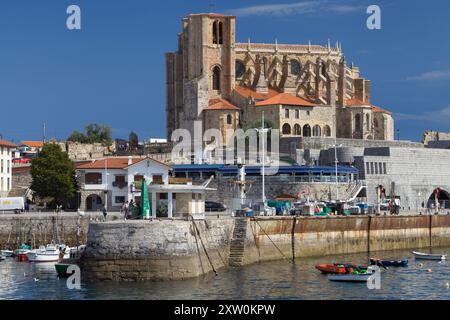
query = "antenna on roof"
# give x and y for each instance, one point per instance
(276, 44)
(309, 45)
(43, 133)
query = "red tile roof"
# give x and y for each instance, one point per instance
(32, 144)
(8, 144)
(114, 163)
(249, 92)
(355, 102)
(221, 104)
(286, 99)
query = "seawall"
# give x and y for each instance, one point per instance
(177, 249)
(42, 228)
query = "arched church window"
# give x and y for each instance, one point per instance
(229, 119)
(317, 131)
(297, 130)
(240, 68)
(286, 128)
(306, 130)
(375, 122)
(220, 32)
(216, 78)
(368, 122)
(295, 67)
(214, 32)
(327, 131)
(358, 122)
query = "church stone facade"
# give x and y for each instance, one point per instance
(304, 90)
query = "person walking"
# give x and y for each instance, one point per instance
(125, 210)
(105, 213)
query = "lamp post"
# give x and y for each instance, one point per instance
(263, 132)
(335, 146)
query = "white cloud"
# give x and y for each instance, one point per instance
(441, 116)
(295, 8)
(431, 76)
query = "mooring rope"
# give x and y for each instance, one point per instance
(203, 245)
(273, 242)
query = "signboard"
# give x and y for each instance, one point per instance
(11, 204)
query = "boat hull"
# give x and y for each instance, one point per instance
(338, 268)
(349, 277)
(7, 253)
(61, 268)
(428, 256)
(43, 257)
(389, 263)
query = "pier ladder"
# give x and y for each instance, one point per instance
(238, 242)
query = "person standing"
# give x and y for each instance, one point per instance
(105, 213)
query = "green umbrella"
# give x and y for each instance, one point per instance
(145, 201)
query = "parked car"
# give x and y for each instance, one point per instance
(21, 160)
(211, 206)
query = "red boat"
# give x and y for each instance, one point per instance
(334, 268)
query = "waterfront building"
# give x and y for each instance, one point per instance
(6, 148)
(30, 149)
(305, 90)
(116, 180)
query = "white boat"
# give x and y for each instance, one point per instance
(2, 257)
(51, 253)
(7, 253)
(349, 277)
(429, 256)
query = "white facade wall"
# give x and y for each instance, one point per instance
(5, 170)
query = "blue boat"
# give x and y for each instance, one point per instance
(389, 263)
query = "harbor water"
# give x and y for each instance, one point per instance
(282, 279)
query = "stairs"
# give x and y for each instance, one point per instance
(238, 242)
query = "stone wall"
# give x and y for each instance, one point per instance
(81, 151)
(156, 250)
(172, 249)
(42, 228)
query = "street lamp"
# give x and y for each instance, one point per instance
(336, 161)
(263, 131)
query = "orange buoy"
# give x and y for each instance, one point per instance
(429, 270)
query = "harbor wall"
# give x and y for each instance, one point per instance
(42, 228)
(173, 249)
(156, 249)
(296, 237)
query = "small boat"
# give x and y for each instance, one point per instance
(51, 253)
(429, 256)
(349, 277)
(338, 268)
(388, 263)
(7, 253)
(61, 267)
(22, 254)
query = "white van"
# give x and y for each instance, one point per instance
(12, 204)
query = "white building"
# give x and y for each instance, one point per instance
(116, 180)
(6, 148)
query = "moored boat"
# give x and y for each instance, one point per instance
(7, 253)
(61, 267)
(389, 263)
(338, 268)
(429, 256)
(51, 253)
(22, 254)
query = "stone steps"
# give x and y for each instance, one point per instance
(237, 245)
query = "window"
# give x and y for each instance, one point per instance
(286, 129)
(119, 181)
(216, 78)
(229, 119)
(372, 170)
(375, 122)
(286, 113)
(306, 130)
(368, 122)
(220, 33)
(317, 131)
(308, 113)
(93, 178)
(119, 199)
(158, 179)
(297, 130)
(357, 122)
(214, 32)
(368, 168)
(327, 131)
(376, 168)
(384, 168)
(295, 67)
(240, 68)
(297, 114)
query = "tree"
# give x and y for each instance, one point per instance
(95, 133)
(53, 175)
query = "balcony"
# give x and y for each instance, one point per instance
(120, 184)
(95, 187)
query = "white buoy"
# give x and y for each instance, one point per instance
(36, 280)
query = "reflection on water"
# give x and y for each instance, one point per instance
(271, 280)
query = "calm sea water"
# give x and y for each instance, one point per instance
(271, 280)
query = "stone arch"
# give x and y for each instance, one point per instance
(214, 33)
(327, 131)
(286, 129)
(297, 130)
(317, 131)
(357, 120)
(94, 202)
(229, 119)
(443, 198)
(307, 130)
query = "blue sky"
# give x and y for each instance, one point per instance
(112, 71)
